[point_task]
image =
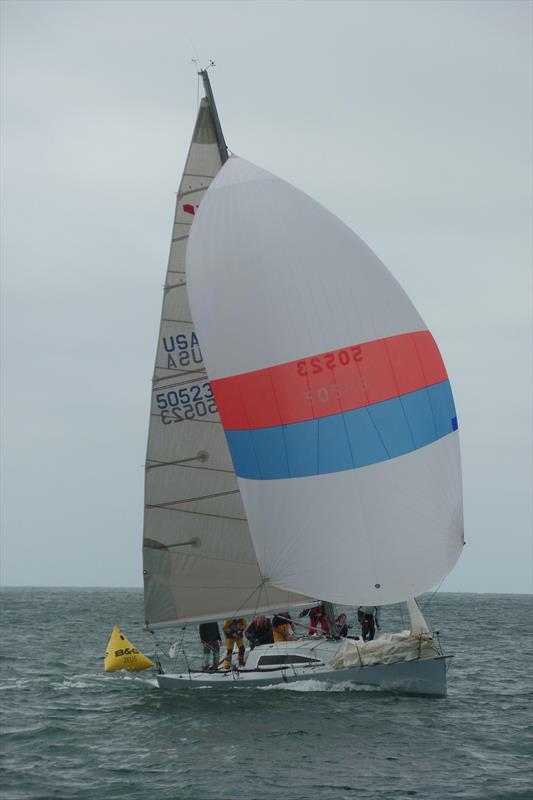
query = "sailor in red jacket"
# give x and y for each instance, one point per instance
(317, 616)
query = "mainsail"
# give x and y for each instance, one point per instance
(333, 395)
(199, 561)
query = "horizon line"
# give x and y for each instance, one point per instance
(140, 588)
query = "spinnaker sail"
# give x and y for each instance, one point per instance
(334, 397)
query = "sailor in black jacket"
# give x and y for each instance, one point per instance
(210, 638)
(259, 631)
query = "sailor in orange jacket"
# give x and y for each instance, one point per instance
(234, 629)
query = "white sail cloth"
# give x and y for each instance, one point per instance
(273, 277)
(419, 625)
(387, 649)
(198, 558)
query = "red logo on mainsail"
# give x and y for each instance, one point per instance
(189, 209)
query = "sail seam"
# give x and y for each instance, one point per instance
(413, 339)
(283, 430)
(157, 463)
(398, 395)
(194, 175)
(200, 420)
(192, 499)
(208, 558)
(186, 192)
(170, 286)
(202, 513)
(200, 371)
(345, 426)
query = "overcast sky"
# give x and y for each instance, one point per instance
(410, 120)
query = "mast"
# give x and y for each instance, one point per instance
(222, 147)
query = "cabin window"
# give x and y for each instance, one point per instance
(277, 661)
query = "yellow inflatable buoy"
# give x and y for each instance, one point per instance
(121, 654)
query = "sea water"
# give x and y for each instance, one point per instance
(70, 731)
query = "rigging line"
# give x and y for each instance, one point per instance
(193, 499)
(196, 63)
(243, 604)
(261, 589)
(183, 321)
(183, 650)
(277, 643)
(430, 598)
(159, 650)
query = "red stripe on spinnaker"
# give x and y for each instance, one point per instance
(329, 383)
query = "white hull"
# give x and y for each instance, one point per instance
(425, 676)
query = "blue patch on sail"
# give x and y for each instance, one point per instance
(349, 440)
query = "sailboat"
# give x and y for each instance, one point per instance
(303, 440)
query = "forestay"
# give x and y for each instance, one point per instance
(333, 394)
(199, 561)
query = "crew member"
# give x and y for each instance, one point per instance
(283, 627)
(210, 638)
(234, 629)
(368, 618)
(341, 625)
(317, 616)
(259, 631)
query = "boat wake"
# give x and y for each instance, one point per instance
(85, 680)
(89, 680)
(320, 686)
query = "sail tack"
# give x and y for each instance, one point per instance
(336, 404)
(199, 561)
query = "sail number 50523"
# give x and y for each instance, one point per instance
(186, 403)
(340, 358)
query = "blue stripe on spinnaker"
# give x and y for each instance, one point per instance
(345, 441)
